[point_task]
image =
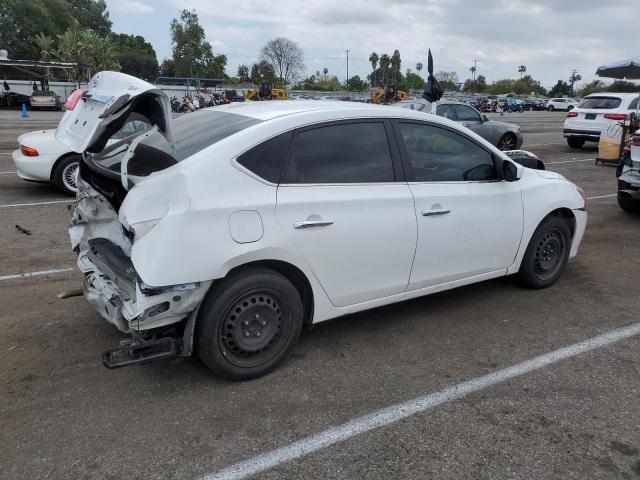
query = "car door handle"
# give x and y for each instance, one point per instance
(311, 223)
(435, 211)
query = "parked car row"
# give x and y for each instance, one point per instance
(40, 99)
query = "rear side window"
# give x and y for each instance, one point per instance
(603, 103)
(439, 155)
(342, 153)
(446, 111)
(267, 159)
(634, 104)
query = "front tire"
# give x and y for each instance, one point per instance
(65, 175)
(551, 108)
(575, 142)
(249, 323)
(629, 205)
(547, 253)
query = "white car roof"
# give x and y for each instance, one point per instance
(269, 110)
(614, 94)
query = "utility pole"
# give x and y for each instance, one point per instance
(347, 84)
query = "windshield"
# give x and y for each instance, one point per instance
(193, 132)
(600, 103)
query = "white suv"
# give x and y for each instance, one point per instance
(561, 104)
(595, 114)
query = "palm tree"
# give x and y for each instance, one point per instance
(522, 69)
(419, 67)
(325, 70)
(46, 46)
(395, 64)
(373, 58)
(473, 83)
(384, 65)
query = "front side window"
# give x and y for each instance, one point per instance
(440, 155)
(466, 114)
(341, 153)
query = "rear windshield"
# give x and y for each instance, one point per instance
(601, 103)
(193, 132)
(40, 93)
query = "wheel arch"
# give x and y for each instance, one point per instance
(60, 159)
(288, 270)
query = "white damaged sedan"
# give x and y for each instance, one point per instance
(224, 231)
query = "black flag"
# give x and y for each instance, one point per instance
(432, 91)
(6, 86)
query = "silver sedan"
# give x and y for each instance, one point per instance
(505, 136)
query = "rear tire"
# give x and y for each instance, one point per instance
(249, 323)
(575, 142)
(547, 253)
(65, 175)
(629, 205)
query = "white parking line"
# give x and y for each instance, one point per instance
(571, 161)
(35, 274)
(541, 144)
(8, 205)
(7, 173)
(603, 196)
(394, 413)
(6, 153)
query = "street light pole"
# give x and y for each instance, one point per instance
(347, 84)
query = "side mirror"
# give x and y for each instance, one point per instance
(509, 172)
(485, 118)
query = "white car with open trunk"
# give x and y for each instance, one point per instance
(224, 231)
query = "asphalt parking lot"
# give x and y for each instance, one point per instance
(63, 415)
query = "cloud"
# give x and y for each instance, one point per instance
(550, 37)
(131, 6)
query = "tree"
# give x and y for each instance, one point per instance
(325, 71)
(413, 81)
(522, 69)
(384, 66)
(262, 72)
(447, 80)
(373, 60)
(22, 20)
(137, 56)
(243, 73)
(286, 58)
(419, 67)
(623, 86)
(356, 84)
(561, 88)
(167, 68)
(573, 79)
(592, 87)
(477, 85)
(192, 54)
(395, 62)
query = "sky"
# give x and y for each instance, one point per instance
(549, 37)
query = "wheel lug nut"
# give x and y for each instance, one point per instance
(263, 323)
(257, 334)
(246, 334)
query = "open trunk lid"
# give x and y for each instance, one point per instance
(95, 114)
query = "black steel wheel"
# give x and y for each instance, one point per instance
(507, 142)
(249, 323)
(547, 253)
(575, 142)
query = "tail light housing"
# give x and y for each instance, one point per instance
(28, 151)
(73, 99)
(615, 116)
(572, 114)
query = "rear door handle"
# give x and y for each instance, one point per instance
(311, 223)
(435, 211)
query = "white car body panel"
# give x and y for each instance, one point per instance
(38, 169)
(480, 234)
(197, 220)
